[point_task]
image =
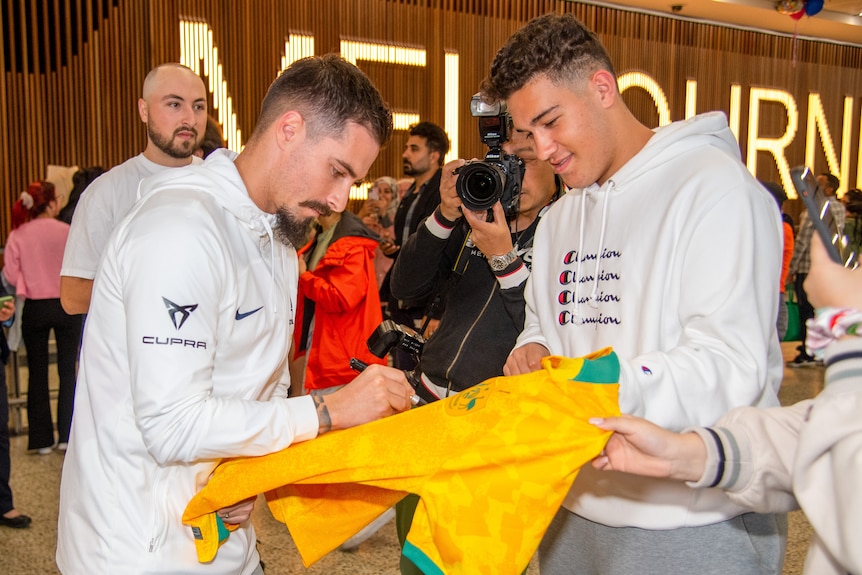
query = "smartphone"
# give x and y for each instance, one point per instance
(817, 205)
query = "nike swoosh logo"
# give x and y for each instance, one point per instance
(240, 316)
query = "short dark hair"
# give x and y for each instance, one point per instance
(329, 92)
(832, 181)
(556, 45)
(435, 137)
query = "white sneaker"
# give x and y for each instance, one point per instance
(62, 446)
(367, 531)
(45, 450)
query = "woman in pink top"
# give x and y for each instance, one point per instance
(34, 253)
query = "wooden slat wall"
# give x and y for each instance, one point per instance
(74, 68)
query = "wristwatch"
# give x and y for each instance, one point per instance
(499, 263)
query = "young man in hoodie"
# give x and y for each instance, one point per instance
(667, 249)
(184, 360)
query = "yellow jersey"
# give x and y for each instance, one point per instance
(491, 464)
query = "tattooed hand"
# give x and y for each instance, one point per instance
(376, 392)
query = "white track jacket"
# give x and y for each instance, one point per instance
(808, 455)
(184, 362)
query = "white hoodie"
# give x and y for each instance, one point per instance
(184, 346)
(674, 263)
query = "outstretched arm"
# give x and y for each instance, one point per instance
(643, 448)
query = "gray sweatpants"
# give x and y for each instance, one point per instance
(750, 544)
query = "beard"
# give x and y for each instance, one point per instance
(181, 150)
(292, 230)
(411, 170)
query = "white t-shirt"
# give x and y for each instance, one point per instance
(102, 206)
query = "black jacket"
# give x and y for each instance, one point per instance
(480, 322)
(427, 201)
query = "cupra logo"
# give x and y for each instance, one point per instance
(179, 313)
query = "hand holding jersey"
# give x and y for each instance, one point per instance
(643, 448)
(525, 359)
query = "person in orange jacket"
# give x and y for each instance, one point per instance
(339, 303)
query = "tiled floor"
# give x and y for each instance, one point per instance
(35, 481)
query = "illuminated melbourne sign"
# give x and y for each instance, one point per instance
(816, 125)
(198, 52)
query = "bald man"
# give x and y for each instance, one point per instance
(173, 105)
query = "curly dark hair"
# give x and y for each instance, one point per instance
(329, 92)
(556, 45)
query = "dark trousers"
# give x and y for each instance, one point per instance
(6, 504)
(404, 511)
(806, 310)
(40, 316)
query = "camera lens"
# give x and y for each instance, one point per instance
(480, 185)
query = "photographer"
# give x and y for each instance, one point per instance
(423, 157)
(484, 307)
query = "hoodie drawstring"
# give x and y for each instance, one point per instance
(591, 300)
(583, 210)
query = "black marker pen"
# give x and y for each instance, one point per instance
(359, 366)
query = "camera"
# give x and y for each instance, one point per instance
(390, 335)
(482, 183)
